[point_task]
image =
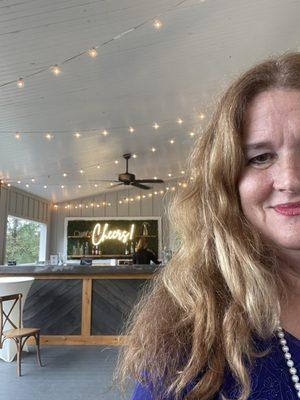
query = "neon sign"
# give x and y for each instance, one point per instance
(118, 234)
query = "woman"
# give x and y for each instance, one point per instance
(222, 320)
(142, 254)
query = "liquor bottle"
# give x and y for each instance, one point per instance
(132, 247)
(86, 249)
(126, 250)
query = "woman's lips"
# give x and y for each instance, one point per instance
(288, 209)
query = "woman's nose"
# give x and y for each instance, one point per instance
(286, 176)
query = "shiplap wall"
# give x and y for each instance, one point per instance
(155, 206)
(19, 203)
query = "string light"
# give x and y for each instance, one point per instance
(192, 134)
(93, 52)
(157, 23)
(104, 132)
(20, 83)
(81, 171)
(65, 174)
(155, 125)
(155, 177)
(179, 121)
(182, 172)
(77, 135)
(45, 186)
(19, 182)
(9, 185)
(201, 116)
(153, 149)
(134, 156)
(56, 70)
(172, 141)
(17, 135)
(48, 136)
(169, 175)
(116, 162)
(95, 185)
(62, 186)
(79, 186)
(32, 180)
(131, 129)
(27, 185)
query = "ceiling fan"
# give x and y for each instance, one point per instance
(126, 178)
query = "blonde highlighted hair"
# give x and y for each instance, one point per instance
(223, 286)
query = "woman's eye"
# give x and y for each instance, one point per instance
(261, 159)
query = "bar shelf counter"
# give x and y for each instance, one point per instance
(81, 304)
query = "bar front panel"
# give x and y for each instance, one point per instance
(112, 302)
(54, 306)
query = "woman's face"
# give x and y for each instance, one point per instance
(269, 185)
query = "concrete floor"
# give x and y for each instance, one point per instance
(69, 373)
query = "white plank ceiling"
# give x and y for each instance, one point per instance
(144, 75)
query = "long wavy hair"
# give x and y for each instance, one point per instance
(223, 286)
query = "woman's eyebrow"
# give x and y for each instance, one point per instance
(257, 145)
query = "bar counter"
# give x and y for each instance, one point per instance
(84, 305)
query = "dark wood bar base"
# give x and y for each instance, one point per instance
(82, 309)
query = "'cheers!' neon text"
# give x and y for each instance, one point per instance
(106, 234)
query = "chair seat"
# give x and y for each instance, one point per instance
(20, 332)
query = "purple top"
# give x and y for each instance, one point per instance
(270, 377)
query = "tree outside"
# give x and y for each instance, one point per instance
(22, 240)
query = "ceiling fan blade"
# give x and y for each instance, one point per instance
(137, 184)
(149, 181)
(103, 180)
(116, 184)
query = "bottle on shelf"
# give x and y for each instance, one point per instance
(126, 249)
(132, 247)
(86, 249)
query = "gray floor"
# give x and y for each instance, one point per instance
(69, 373)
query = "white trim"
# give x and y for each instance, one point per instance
(158, 219)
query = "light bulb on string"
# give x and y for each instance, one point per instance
(104, 132)
(49, 136)
(134, 156)
(179, 121)
(92, 52)
(171, 141)
(77, 135)
(192, 134)
(153, 149)
(20, 83)
(131, 129)
(56, 70)
(17, 135)
(155, 125)
(157, 23)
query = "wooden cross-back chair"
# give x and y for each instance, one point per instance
(18, 334)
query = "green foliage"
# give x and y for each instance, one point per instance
(22, 241)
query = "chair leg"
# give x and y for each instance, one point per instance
(19, 355)
(38, 354)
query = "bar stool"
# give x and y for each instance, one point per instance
(18, 334)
